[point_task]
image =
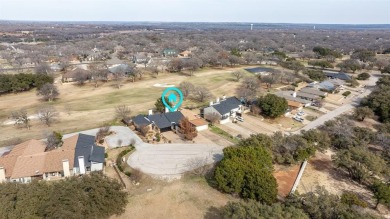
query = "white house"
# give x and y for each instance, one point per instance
(226, 108)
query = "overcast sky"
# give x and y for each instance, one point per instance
(262, 11)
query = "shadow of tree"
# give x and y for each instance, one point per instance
(213, 213)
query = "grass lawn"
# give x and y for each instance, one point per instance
(223, 134)
(85, 107)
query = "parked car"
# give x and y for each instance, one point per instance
(301, 113)
(239, 118)
(297, 118)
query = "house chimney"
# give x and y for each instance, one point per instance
(81, 164)
(294, 94)
(2, 174)
(217, 100)
(150, 112)
(65, 167)
(211, 103)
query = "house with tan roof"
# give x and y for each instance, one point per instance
(29, 160)
(199, 123)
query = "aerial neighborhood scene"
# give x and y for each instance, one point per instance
(194, 109)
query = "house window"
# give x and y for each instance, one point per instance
(224, 117)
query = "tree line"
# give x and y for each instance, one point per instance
(89, 196)
(10, 83)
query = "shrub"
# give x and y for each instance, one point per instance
(346, 93)
(363, 76)
(247, 171)
(351, 199)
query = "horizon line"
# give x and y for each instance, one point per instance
(243, 22)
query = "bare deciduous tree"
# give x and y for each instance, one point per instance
(21, 118)
(43, 68)
(186, 88)
(102, 133)
(122, 112)
(193, 64)
(47, 114)
(212, 117)
(201, 94)
(238, 75)
(48, 91)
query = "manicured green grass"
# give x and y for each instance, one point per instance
(223, 134)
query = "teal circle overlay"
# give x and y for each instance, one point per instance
(178, 91)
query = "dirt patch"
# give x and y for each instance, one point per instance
(285, 177)
(186, 198)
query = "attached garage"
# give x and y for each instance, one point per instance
(200, 124)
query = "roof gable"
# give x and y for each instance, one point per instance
(160, 120)
(227, 105)
(85, 147)
(140, 120)
(174, 116)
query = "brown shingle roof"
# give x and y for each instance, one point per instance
(30, 159)
(31, 165)
(8, 162)
(199, 122)
(53, 162)
(27, 148)
(70, 143)
(294, 104)
(188, 114)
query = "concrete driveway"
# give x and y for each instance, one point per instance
(123, 136)
(170, 161)
(167, 161)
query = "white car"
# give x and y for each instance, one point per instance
(301, 113)
(297, 118)
(239, 118)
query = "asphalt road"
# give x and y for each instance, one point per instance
(344, 108)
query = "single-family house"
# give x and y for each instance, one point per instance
(141, 58)
(87, 156)
(226, 108)
(185, 54)
(30, 160)
(294, 105)
(160, 121)
(169, 52)
(329, 85)
(199, 123)
(141, 121)
(260, 71)
(289, 95)
(72, 75)
(313, 91)
(337, 75)
(119, 68)
(307, 96)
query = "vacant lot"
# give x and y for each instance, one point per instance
(187, 198)
(88, 107)
(321, 172)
